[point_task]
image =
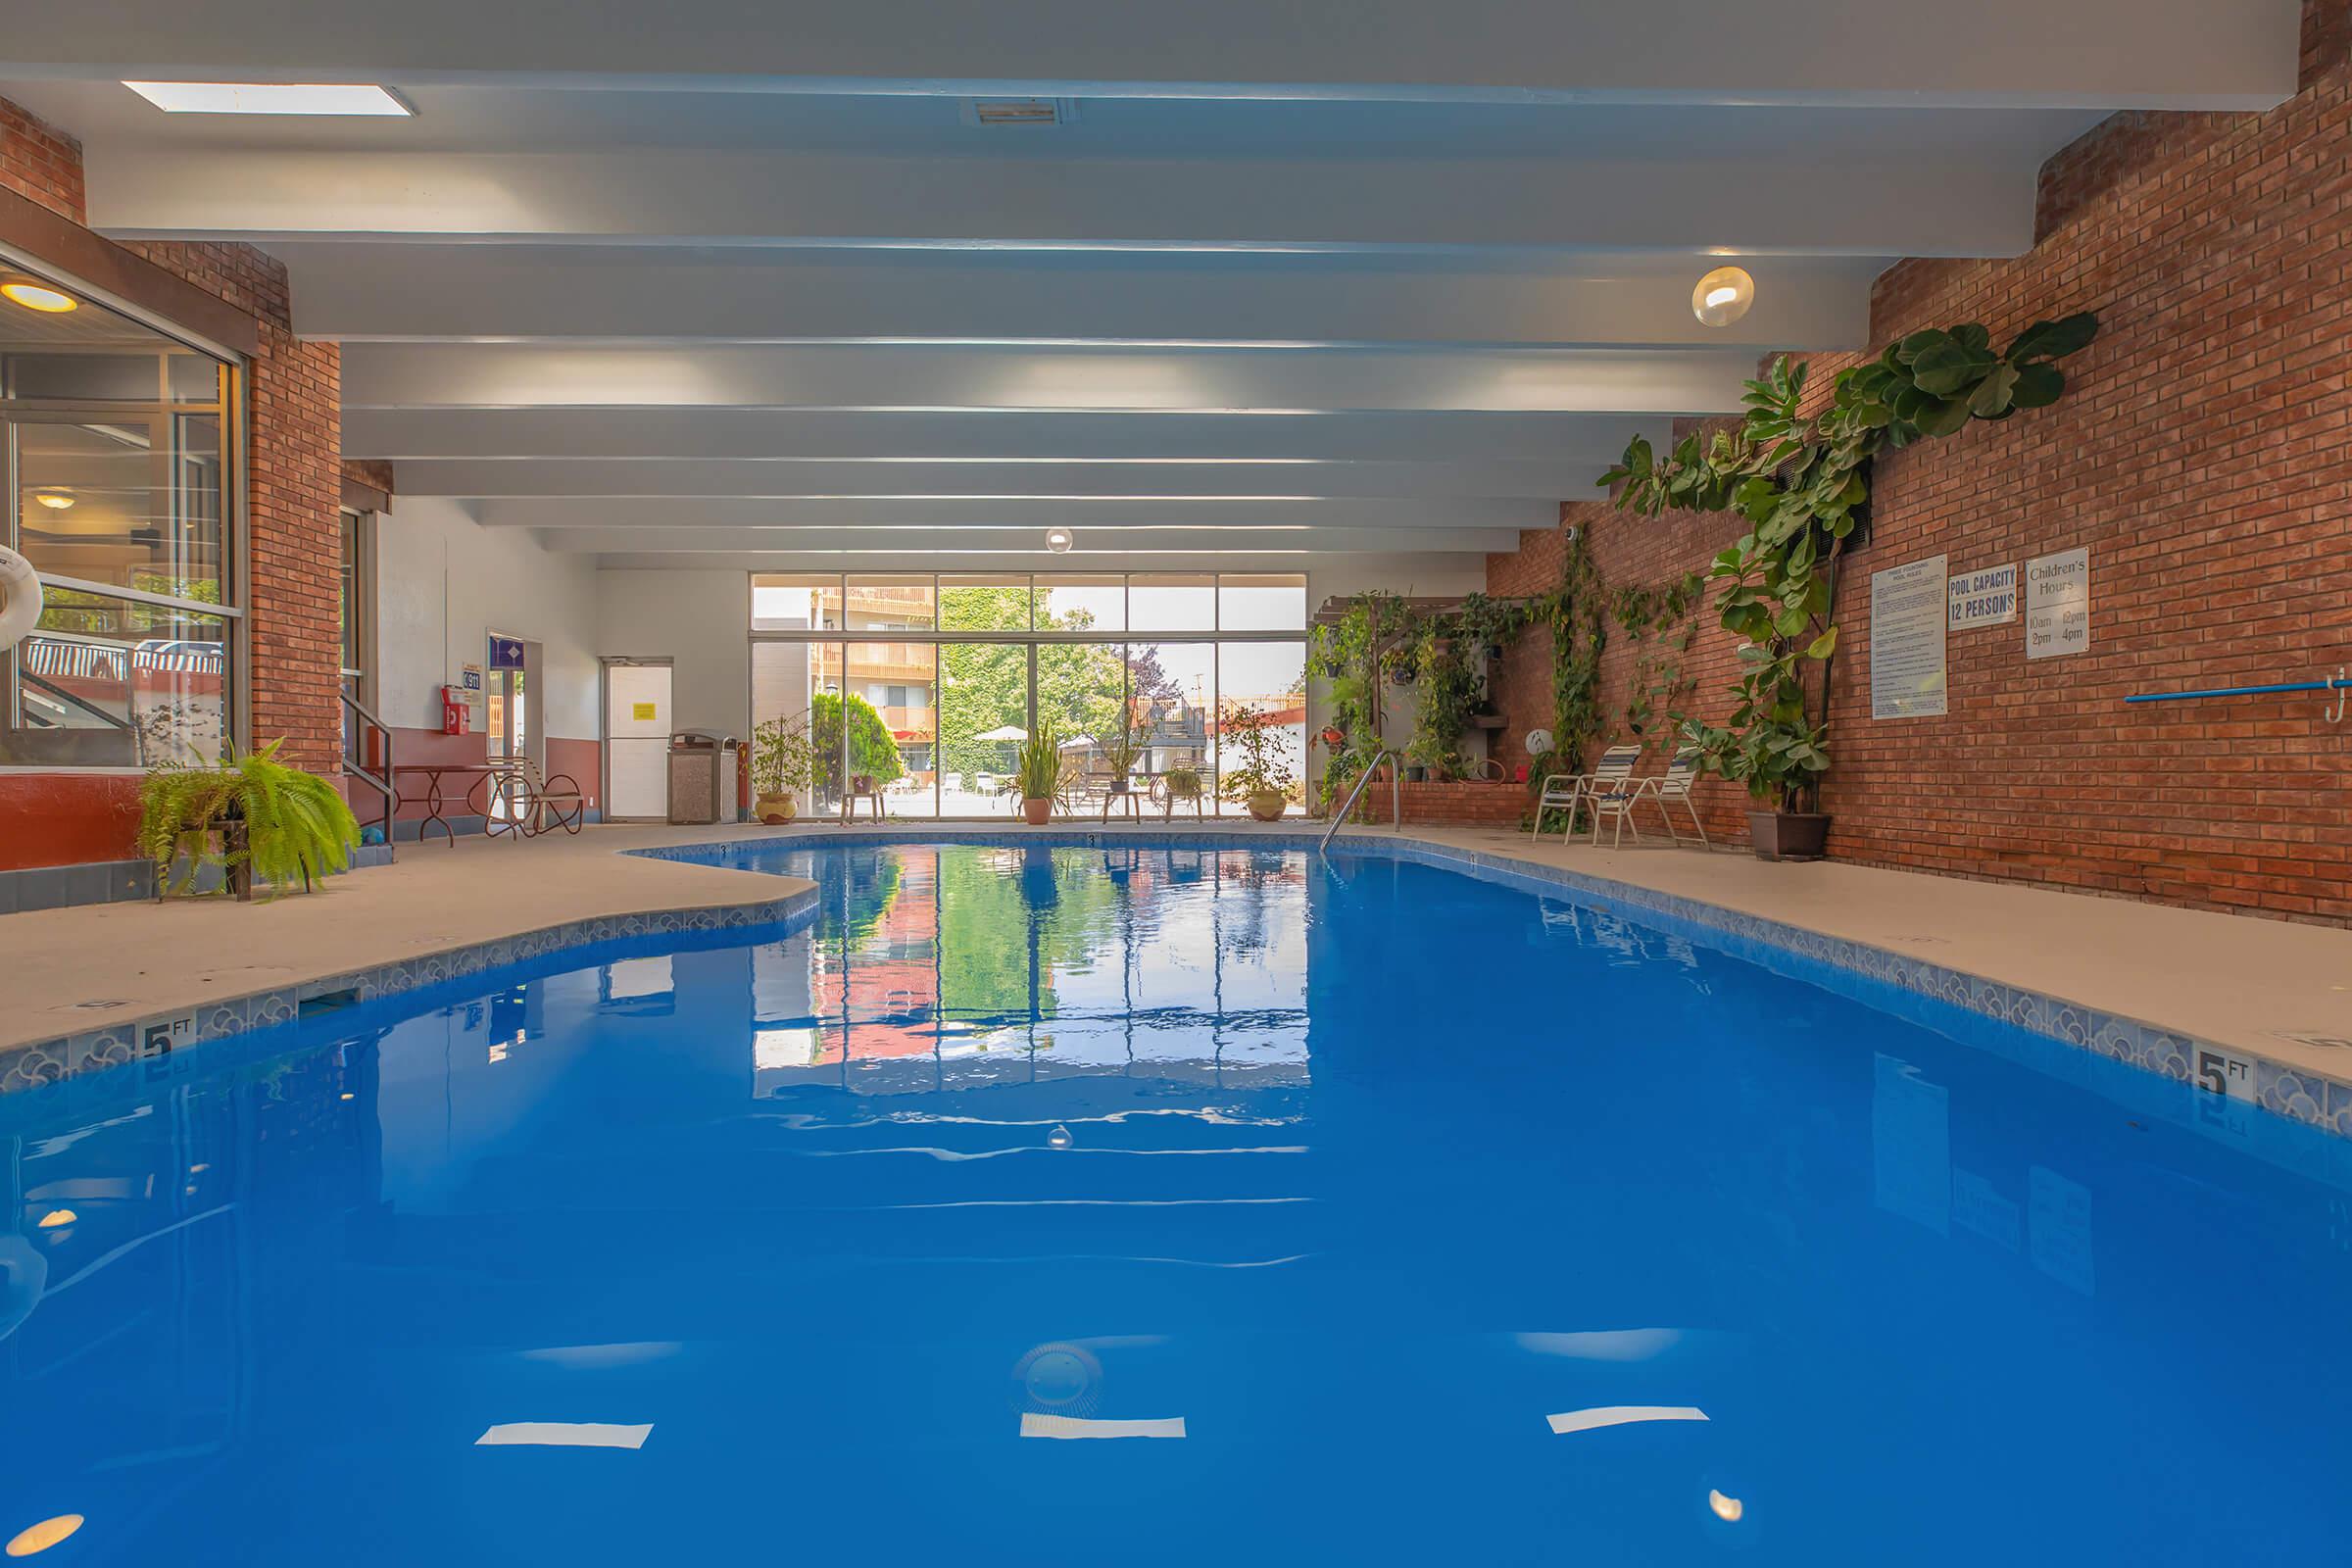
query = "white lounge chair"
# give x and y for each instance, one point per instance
(1611, 790)
(1673, 788)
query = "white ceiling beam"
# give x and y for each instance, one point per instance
(662, 516)
(2180, 54)
(838, 435)
(1093, 545)
(363, 292)
(385, 375)
(1747, 198)
(786, 478)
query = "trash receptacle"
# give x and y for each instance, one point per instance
(702, 776)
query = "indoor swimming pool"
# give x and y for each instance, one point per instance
(1142, 1203)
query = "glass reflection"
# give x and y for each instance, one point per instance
(978, 962)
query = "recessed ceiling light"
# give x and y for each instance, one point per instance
(56, 500)
(269, 98)
(1723, 296)
(37, 297)
(1060, 540)
(41, 1537)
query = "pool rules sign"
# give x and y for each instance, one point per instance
(2058, 604)
(1906, 640)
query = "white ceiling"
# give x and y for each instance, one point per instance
(736, 282)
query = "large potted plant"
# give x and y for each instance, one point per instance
(783, 765)
(1121, 749)
(252, 815)
(1253, 769)
(1039, 772)
(1798, 482)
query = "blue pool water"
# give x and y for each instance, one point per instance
(1363, 1171)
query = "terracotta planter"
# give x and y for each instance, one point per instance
(1267, 806)
(1036, 811)
(774, 808)
(1789, 835)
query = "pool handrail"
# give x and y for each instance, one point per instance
(1395, 794)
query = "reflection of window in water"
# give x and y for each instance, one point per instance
(1167, 959)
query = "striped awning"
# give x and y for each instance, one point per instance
(64, 660)
(177, 658)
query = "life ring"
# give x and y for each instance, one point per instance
(23, 1274)
(20, 599)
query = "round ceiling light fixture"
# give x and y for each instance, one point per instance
(1060, 540)
(56, 498)
(40, 297)
(1723, 296)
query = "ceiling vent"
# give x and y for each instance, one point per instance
(992, 111)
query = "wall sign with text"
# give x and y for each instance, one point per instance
(1906, 640)
(2058, 604)
(1987, 598)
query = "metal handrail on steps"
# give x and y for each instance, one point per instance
(382, 783)
(1395, 794)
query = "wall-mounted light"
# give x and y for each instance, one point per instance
(1723, 296)
(39, 297)
(56, 498)
(1060, 540)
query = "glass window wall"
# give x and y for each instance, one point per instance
(929, 719)
(115, 465)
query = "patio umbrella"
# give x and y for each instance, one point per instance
(1076, 741)
(1003, 732)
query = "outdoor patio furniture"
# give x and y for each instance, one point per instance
(1562, 791)
(1167, 799)
(862, 788)
(1673, 788)
(1611, 790)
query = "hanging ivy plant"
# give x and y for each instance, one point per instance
(1796, 481)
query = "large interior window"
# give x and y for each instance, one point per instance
(920, 689)
(114, 459)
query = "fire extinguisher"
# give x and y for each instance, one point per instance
(455, 714)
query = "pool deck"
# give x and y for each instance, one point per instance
(2260, 987)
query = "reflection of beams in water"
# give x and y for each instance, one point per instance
(131, 1246)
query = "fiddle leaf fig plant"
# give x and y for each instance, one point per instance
(1796, 480)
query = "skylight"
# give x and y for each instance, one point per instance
(267, 98)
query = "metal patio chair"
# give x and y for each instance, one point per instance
(1673, 788)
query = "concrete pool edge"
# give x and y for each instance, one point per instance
(2169, 1057)
(40, 1062)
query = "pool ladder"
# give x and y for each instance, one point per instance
(1395, 794)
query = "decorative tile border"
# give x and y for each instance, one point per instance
(1875, 975)
(1893, 982)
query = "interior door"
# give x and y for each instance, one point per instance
(637, 726)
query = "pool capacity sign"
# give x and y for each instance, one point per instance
(1987, 598)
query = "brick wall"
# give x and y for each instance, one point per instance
(294, 453)
(294, 479)
(2200, 454)
(294, 395)
(41, 162)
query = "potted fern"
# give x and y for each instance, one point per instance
(252, 815)
(1039, 772)
(783, 763)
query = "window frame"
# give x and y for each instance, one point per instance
(842, 639)
(234, 371)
